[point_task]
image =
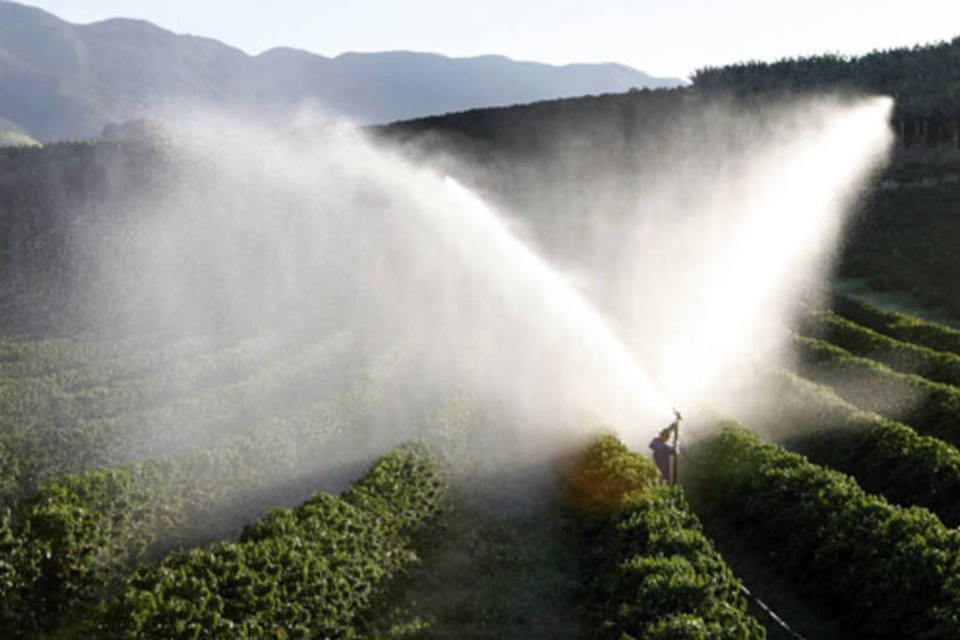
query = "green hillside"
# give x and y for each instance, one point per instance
(923, 80)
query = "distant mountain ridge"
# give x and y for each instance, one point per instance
(65, 81)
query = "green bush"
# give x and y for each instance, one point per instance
(66, 544)
(651, 573)
(78, 536)
(885, 457)
(900, 326)
(901, 356)
(62, 437)
(880, 571)
(302, 573)
(606, 474)
(931, 408)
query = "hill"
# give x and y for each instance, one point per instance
(66, 81)
(923, 80)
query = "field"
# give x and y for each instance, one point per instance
(228, 535)
(332, 405)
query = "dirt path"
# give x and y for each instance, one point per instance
(770, 587)
(497, 567)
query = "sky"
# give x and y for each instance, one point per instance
(662, 37)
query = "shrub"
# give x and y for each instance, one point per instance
(301, 573)
(881, 571)
(651, 573)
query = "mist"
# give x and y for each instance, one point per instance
(635, 288)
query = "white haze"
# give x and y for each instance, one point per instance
(722, 252)
(317, 228)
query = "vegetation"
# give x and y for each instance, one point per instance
(881, 571)
(502, 559)
(113, 453)
(303, 573)
(51, 433)
(67, 544)
(651, 573)
(898, 325)
(931, 408)
(924, 81)
(901, 356)
(885, 457)
(903, 237)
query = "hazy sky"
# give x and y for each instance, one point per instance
(663, 37)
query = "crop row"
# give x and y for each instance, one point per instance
(66, 544)
(62, 355)
(899, 326)
(651, 573)
(932, 408)
(880, 571)
(885, 457)
(103, 391)
(939, 366)
(298, 573)
(49, 450)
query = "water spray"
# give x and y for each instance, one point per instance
(329, 229)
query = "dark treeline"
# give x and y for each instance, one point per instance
(48, 196)
(923, 80)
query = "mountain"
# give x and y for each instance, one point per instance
(66, 81)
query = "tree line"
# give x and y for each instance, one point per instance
(924, 80)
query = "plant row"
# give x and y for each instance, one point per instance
(298, 573)
(651, 572)
(62, 355)
(102, 390)
(51, 449)
(885, 457)
(938, 366)
(932, 408)
(900, 326)
(880, 571)
(64, 547)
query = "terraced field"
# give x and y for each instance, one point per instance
(179, 487)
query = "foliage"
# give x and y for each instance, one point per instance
(53, 432)
(301, 573)
(899, 326)
(900, 356)
(882, 571)
(924, 80)
(903, 238)
(885, 457)
(63, 545)
(606, 475)
(44, 193)
(651, 572)
(929, 407)
(77, 536)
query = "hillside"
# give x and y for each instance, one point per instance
(901, 238)
(63, 81)
(924, 81)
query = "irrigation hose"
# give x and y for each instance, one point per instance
(770, 612)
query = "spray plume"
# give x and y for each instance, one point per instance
(319, 229)
(752, 241)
